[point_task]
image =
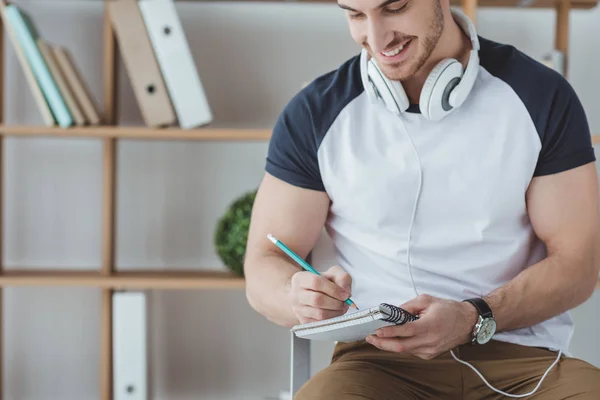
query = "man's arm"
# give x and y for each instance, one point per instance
(295, 216)
(292, 203)
(563, 209)
(564, 212)
(562, 203)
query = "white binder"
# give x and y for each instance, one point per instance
(129, 346)
(554, 59)
(176, 63)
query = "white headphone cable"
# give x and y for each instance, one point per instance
(414, 212)
(417, 292)
(500, 391)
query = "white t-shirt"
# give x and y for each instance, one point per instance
(467, 176)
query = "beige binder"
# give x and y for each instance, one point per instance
(46, 51)
(38, 95)
(76, 84)
(140, 63)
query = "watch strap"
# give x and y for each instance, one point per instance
(482, 307)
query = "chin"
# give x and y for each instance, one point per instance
(399, 72)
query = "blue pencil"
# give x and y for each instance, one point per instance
(301, 262)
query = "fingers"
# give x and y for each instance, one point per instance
(425, 324)
(320, 283)
(340, 277)
(310, 314)
(319, 300)
(426, 337)
(318, 297)
(418, 304)
(417, 345)
(407, 330)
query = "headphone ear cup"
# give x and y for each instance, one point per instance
(392, 93)
(434, 100)
(400, 95)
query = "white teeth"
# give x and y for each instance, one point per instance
(393, 52)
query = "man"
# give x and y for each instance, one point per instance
(456, 178)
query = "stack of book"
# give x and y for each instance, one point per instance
(57, 87)
(155, 53)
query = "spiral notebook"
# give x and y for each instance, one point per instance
(355, 325)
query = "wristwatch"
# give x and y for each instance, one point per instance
(485, 327)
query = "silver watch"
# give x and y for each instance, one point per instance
(485, 328)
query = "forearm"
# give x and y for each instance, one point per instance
(268, 284)
(548, 288)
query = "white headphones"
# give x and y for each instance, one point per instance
(445, 89)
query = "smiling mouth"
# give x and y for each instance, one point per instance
(395, 51)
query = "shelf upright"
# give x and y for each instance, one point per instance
(110, 118)
(2, 51)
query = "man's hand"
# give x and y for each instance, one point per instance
(319, 297)
(442, 325)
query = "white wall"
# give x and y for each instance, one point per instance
(205, 345)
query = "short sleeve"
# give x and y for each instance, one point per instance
(292, 152)
(566, 139)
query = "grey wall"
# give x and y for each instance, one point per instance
(204, 345)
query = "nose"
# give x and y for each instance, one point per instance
(379, 36)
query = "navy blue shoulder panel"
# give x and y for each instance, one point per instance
(304, 122)
(553, 105)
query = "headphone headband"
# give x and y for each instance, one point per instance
(462, 90)
(467, 26)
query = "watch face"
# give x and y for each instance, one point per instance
(488, 328)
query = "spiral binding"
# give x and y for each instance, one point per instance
(398, 315)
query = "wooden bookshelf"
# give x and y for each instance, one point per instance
(531, 4)
(524, 4)
(121, 132)
(124, 132)
(122, 280)
(107, 278)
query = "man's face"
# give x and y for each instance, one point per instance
(399, 34)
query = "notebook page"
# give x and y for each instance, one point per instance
(348, 331)
(335, 320)
(339, 325)
(354, 325)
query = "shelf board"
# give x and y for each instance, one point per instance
(127, 280)
(582, 4)
(579, 4)
(123, 280)
(134, 132)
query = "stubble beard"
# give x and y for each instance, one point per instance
(403, 71)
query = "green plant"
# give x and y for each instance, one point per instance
(231, 233)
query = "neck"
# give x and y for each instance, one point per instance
(453, 43)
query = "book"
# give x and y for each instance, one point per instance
(36, 90)
(27, 36)
(48, 56)
(76, 83)
(354, 326)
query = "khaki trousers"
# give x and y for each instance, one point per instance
(359, 370)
